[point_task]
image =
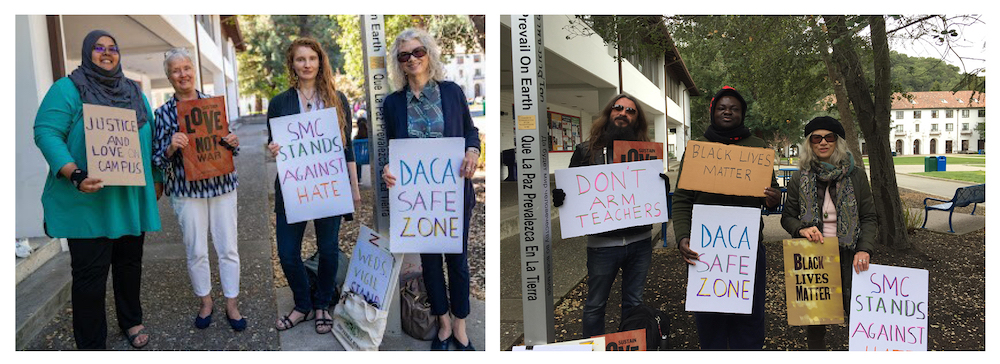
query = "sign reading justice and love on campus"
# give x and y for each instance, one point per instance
(205, 123)
(888, 309)
(113, 151)
(427, 204)
(312, 171)
(726, 169)
(611, 196)
(813, 292)
(722, 280)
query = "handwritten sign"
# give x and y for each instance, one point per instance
(813, 290)
(629, 151)
(370, 269)
(726, 239)
(312, 171)
(205, 123)
(113, 151)
(427, 203)
(889, 309)
(611, 196)
(726, 169)
(634, 340)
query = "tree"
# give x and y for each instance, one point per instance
(981, 129)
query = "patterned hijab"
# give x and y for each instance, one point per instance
(109, 88)
(838, 177)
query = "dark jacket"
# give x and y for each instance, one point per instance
(684, 199)
(287, 103)
(581, 157)
(866, 208)
(457, 123)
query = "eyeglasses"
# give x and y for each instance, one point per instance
(102, 49)
(816, 138)
(628, 110)
(420, 52)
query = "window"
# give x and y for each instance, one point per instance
(899, 128)
(934, 127)
(982, 113)
(479, 72)
(461, 72)
(949, 127)
(965, 113)
(460, 59)
(949, 113)
(899, 114)
(965, 126)
(916, 114)
(916, 127)
(934, 114)
(475, 58)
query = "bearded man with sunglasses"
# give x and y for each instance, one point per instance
(629, 250)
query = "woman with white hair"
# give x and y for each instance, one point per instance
(830, 197)
(427, 106)
(201, 205)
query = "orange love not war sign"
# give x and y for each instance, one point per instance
(205, 123)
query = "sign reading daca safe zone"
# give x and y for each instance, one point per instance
(205, 123)
(611, 196)
(427, 204)
(114, 153)
(630, 151)
(726, 169)
(889, 309)
(726, 239)
(312, 171)
(813, 290)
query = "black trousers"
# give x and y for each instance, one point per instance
(91, 259)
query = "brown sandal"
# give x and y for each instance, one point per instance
(324, 325)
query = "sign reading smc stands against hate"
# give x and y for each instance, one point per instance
(889, 309)
(427, 203)
(813, 290)
(726, 169)
(722, 280)
(113, 151)
(611, 196)
(370, 271)
(630, 151)
(205, 123)
(312, 171)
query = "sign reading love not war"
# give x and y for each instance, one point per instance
(114, 153)
(889, 309)
(630, 151)
(813, 290)
(726, 239)
(205, 123)
(427, 203)
(312, 171)
(611, 196)
(370, 271)
(726, 169)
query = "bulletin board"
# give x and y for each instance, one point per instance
(564, 132)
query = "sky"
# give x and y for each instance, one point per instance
(972, 47)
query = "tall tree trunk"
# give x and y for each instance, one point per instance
(479, 21)
(843, 108)
(873, 118)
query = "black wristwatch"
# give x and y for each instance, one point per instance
(77, 177)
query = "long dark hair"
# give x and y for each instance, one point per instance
(640, 125)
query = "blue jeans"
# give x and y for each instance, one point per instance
(603, 265)
(289, 238)
(722, 331)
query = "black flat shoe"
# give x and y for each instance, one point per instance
(440, 345)
(203, 322)
(459, 347)
(237, 325)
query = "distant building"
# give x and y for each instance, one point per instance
(937, 122)
(468, 70)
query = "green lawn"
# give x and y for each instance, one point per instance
(970, 176)
(919, 161)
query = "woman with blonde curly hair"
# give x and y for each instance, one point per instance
(312, 88)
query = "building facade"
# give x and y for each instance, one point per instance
(468, 70)
(938, 122)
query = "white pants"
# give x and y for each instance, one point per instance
(196, 216)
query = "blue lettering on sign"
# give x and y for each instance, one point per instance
(720, 235)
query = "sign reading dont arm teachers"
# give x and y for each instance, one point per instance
(427, 204)
(113, 151)
(726, 239)
(611, 196)
(726, 169)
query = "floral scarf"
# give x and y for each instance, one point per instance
(848, 222)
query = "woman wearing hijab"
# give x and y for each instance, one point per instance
(312, 89)
(104, 225)
(200, 205)
(721, 331)
(426, 106)
(829, 197)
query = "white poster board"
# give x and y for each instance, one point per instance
(312, 170)
(114, 153)
(611, 196)
(427, 204)
(370, 270)
(889, 309)
(726, 240)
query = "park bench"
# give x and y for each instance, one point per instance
(964, 196)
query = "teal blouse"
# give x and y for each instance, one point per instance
(112, 212)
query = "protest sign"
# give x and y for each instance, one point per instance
(205, 123)
(427, 203)
(312, 171)
(813, 290)
(611, 196)
(726, 169)
(592, 344)
(726, 239)
(370, 270)
(634, 340)
(889, 309)
(630, 151)
(114, 153)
